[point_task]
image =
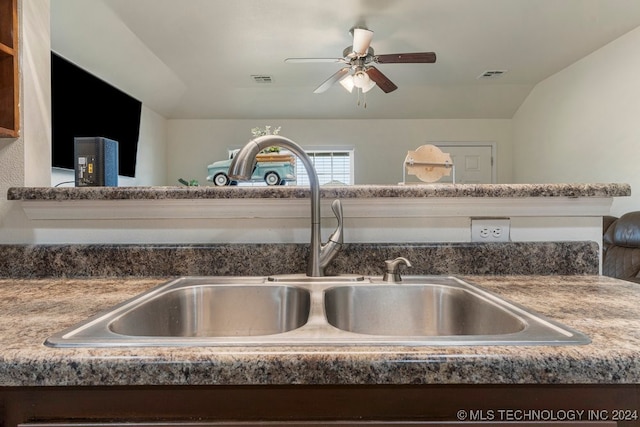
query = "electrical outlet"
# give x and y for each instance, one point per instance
(490, 229)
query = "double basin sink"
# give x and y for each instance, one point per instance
(295, 310)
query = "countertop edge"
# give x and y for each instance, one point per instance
(343, 192)
(316, 368)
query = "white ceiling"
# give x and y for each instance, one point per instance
(195, 58)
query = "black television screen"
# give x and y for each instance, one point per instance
(83, 105)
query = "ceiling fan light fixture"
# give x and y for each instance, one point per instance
(348, 83)
(371, 85)
(361, 80)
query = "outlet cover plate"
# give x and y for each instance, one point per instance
(490, 230)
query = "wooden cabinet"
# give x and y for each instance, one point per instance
(9, 70)
(514, 405)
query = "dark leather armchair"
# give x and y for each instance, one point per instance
(621, 247)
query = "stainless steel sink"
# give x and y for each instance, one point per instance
(417, 310)
(296, 310)
(217, 311)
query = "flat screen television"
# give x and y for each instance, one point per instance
(82, 105)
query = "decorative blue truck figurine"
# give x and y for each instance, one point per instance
(272, 168)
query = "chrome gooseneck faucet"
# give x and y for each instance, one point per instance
(242, 167)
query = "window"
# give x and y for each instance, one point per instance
(335, 167)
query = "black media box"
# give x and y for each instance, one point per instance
(96, 162)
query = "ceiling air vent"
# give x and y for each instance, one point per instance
(492, 74)
(262, 78)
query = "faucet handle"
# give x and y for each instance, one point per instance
(329, 250)
(336, 207)
(392, 269)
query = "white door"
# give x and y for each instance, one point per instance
(473, 163)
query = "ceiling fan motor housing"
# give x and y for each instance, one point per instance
(349, 53)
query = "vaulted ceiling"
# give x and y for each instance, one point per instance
(196, 58)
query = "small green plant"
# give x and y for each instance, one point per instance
(192, 183)
(258, 131)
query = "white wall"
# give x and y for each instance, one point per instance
(151, 163)
(26, 160)
(380, 145)
(583, 123)
(36, 77)
(97, 39)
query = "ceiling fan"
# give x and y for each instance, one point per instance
(359, 70)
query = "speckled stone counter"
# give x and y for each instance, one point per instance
(540, 258)
(343, 192)
(603, 308)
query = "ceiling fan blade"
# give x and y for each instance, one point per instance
(407, 58)
(361, 41)
(307, 60)
(332, 80)
(381, 80)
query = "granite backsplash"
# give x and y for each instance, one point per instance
(150, 260)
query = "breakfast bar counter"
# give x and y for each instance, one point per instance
(344, 192)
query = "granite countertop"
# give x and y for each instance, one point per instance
(605, 309)
(343, 192)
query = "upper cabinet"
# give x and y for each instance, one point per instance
(9, 77)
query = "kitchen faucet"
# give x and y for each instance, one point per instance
(242, 167)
